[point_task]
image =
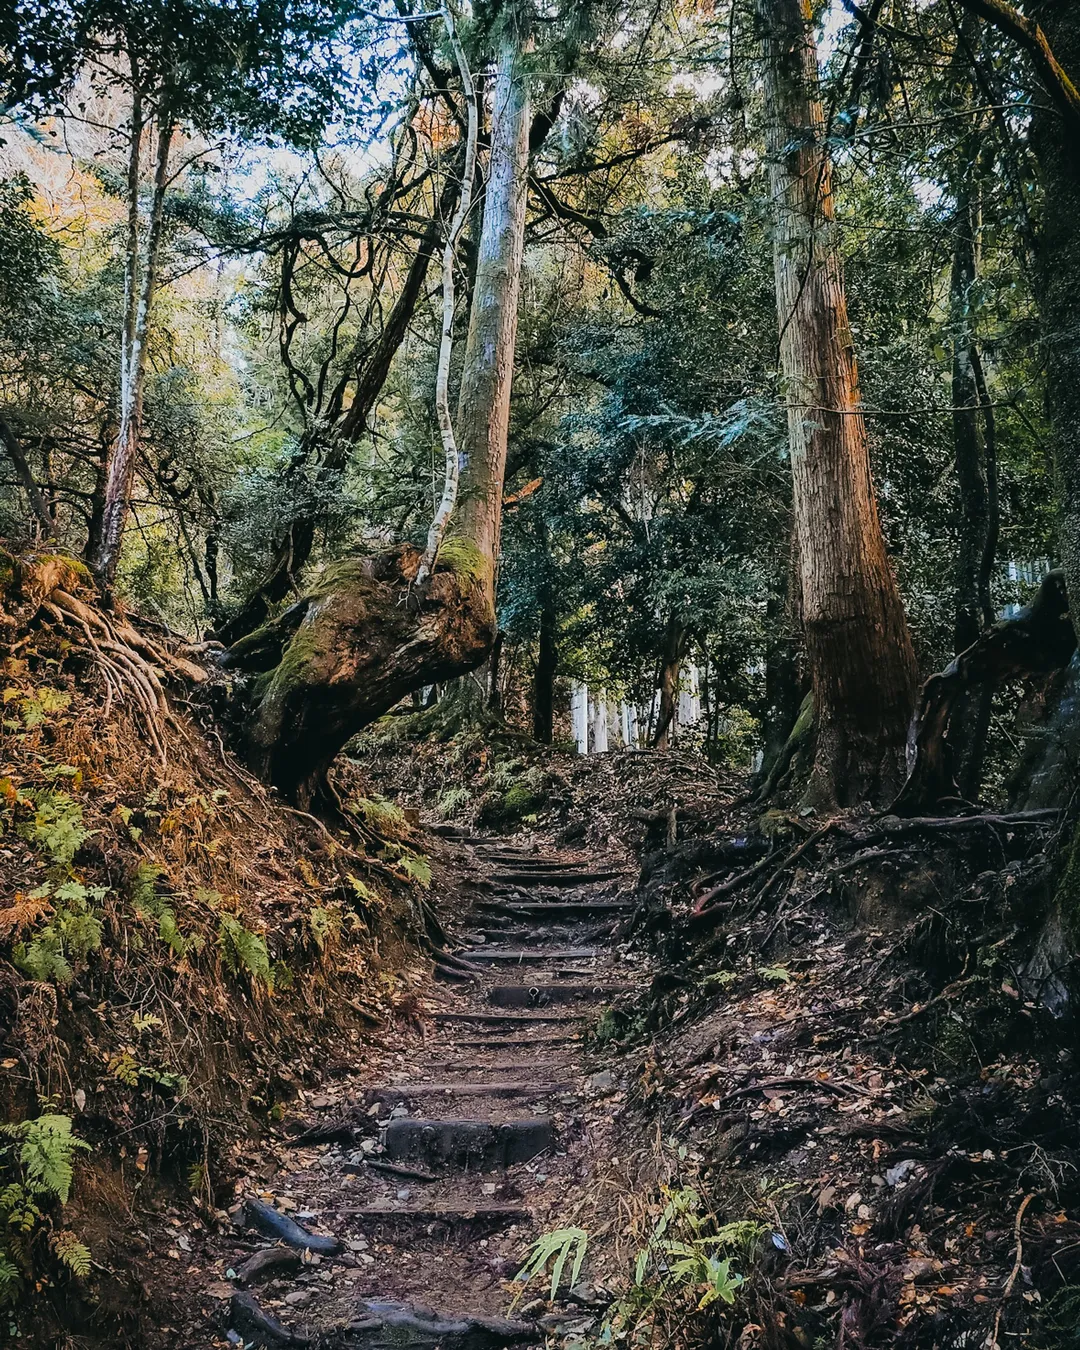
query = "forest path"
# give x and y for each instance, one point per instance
(427, 1189)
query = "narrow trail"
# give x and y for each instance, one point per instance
(426, 1189)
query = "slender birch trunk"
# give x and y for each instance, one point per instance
(451, 454)
(120, 469)
(859, 648)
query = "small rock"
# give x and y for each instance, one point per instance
(404, 1193)
(489, 1188)
(601, 1082)
(399, 1112)
(896, 1176)
(298, 1297)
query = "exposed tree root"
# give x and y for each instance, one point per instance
(363, 639)
(132, 666)
(1039, 640)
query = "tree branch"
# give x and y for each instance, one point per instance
(1030, 36)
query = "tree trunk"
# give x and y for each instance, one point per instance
(368, 635)
(120, 468)
(1059, 278)
(547, 659)
(674, 647)
(484, 401)
(861, 660)
(973, 509)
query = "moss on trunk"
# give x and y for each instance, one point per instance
(364, 638)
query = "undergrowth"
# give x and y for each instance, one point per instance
(177, 955)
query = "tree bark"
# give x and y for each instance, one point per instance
(484, 400)
(547, 659)
(1059, 277)
(38, 506)
(860, 655)
(674, 649)
(120, 466)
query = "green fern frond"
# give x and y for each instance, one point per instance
(73, 1253)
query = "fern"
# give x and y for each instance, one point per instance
(74, 931)
(244, 951)
(58, 826)
(385, 818)
(36, 1169)
(324, 925)
(416, 867)
(47, 1147)
(73, 1253)
(152, 907)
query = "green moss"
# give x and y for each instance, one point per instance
(463, 559)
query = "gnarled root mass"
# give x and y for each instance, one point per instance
(364, 638)
(51, 587)
(1039, 640)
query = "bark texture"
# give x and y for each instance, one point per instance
(544, 676)
(140, 288)
(859, 649)
(1055, 145)
(484, 401)
(363, 639)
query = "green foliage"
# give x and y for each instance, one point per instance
(36, 1173)
(416, 867)
(680, 1260)
(57, 826)
(452, 800)
(244, 952)
(324, 925)
(556, 1247)
(72, 932)
(155, 908)
(385, 818)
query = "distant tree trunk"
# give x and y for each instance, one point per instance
(39, 508)
(494, 681)
(120, 465)
(366, 636)
(861, 660)
(973, 513)
(674, 650)
(1055, 145)
(973, 447)
(546, 664)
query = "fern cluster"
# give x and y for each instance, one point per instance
(154, 908)
(244, 952)
(72, 932)
(36, 1173)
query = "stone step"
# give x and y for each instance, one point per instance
(411, 1091)
(543, 995)
(505, 1042)
(471, 1065)
(522, 955)
(508, 1020)
(462, 1213)
(561, 880)
(555, 909)
(480, 1144)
